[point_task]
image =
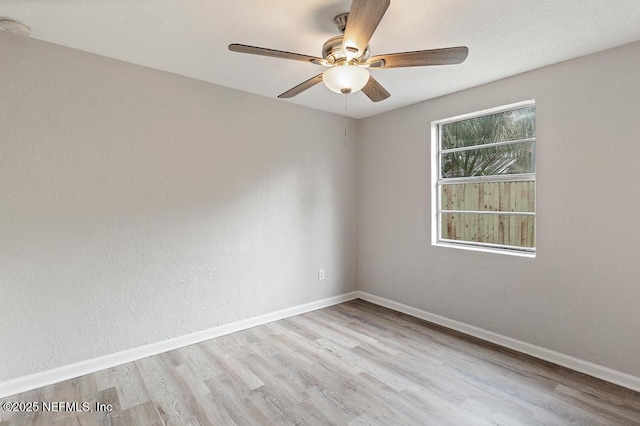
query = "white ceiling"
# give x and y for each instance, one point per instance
(190, 37)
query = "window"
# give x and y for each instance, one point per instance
(484, 181)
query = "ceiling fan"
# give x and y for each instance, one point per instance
(347, 55)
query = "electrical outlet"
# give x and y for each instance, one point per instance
(320, 274)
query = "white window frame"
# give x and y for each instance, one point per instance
(437, 182)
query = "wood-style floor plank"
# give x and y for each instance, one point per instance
(351, 364)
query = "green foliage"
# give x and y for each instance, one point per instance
(493, 160)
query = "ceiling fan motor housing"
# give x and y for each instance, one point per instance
(332, 51)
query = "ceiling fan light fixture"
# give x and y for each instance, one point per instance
(345, 78)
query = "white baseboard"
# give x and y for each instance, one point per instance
(66, 372)
(613, 376)
(70, 371)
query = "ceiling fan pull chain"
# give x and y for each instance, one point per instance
(345, 119)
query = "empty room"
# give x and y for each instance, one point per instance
(349, 212)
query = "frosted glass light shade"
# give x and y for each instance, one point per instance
(345, 78)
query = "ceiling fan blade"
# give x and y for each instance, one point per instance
(301, 87)
(364, 17)
(263, 51)
(375, 91)
(421, 58)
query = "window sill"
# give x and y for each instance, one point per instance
(509, 252)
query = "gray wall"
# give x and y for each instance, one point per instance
(581, 295)
(137, 205)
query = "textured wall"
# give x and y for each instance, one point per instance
(580, 295)
(137, 205)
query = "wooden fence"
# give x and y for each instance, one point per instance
(506, 229)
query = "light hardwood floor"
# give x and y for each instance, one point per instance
(350, 364)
